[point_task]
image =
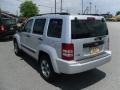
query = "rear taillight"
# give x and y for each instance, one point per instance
(2, 28)
(67, 51)
(90, 18)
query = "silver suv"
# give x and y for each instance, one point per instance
(64, 43)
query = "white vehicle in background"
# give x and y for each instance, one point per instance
(63, 43)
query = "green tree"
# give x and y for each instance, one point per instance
(28, 9)
(117, 13)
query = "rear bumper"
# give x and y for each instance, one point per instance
(6, 33)
(73, 67)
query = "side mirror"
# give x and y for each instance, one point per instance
(20, 28)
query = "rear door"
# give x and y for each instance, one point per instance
(37, 35)
(90, 38)
(54, 34)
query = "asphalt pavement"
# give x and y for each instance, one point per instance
(21, 73)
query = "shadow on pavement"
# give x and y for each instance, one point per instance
(71, 82)
(79, 81)
(6, 39)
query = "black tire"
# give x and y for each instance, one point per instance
(17, 50)
(48, 76)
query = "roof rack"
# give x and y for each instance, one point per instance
(64, 13)
(93, 14)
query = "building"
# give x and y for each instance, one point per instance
(4, 14)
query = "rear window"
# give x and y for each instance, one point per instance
(88, 28)
(8, 21)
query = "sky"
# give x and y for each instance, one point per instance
(72, 6)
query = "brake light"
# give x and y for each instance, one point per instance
(90, 18)
(2, 28)
(67, 51)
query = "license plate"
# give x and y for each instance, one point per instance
(94, 50)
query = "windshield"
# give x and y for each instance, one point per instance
(8, 21)
(88, 28)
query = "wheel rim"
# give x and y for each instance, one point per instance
(45, 68)
(15, 47)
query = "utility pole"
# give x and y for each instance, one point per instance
(82, 6)
(90, 6)
(68, 10)
(55, 6)
(51, 6)
(95, 9)
(51, 9)
(61, 8)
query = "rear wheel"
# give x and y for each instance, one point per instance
(16, 48)
(46, 69)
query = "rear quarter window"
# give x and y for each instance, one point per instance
(55, 28)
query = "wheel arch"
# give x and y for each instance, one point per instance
(16, 38)
(51, 53)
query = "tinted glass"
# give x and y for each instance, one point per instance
(55, 28)
(8, 21)
(28, 26)
(39, 26)
(88, 28)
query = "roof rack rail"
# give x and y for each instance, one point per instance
(93, 14)
(63, 13)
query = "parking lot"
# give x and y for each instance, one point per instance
(21, 73)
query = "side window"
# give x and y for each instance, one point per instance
(55, 28)
(28, 26)
(39, 26)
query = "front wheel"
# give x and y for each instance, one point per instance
(46, 69)
(16, 48)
